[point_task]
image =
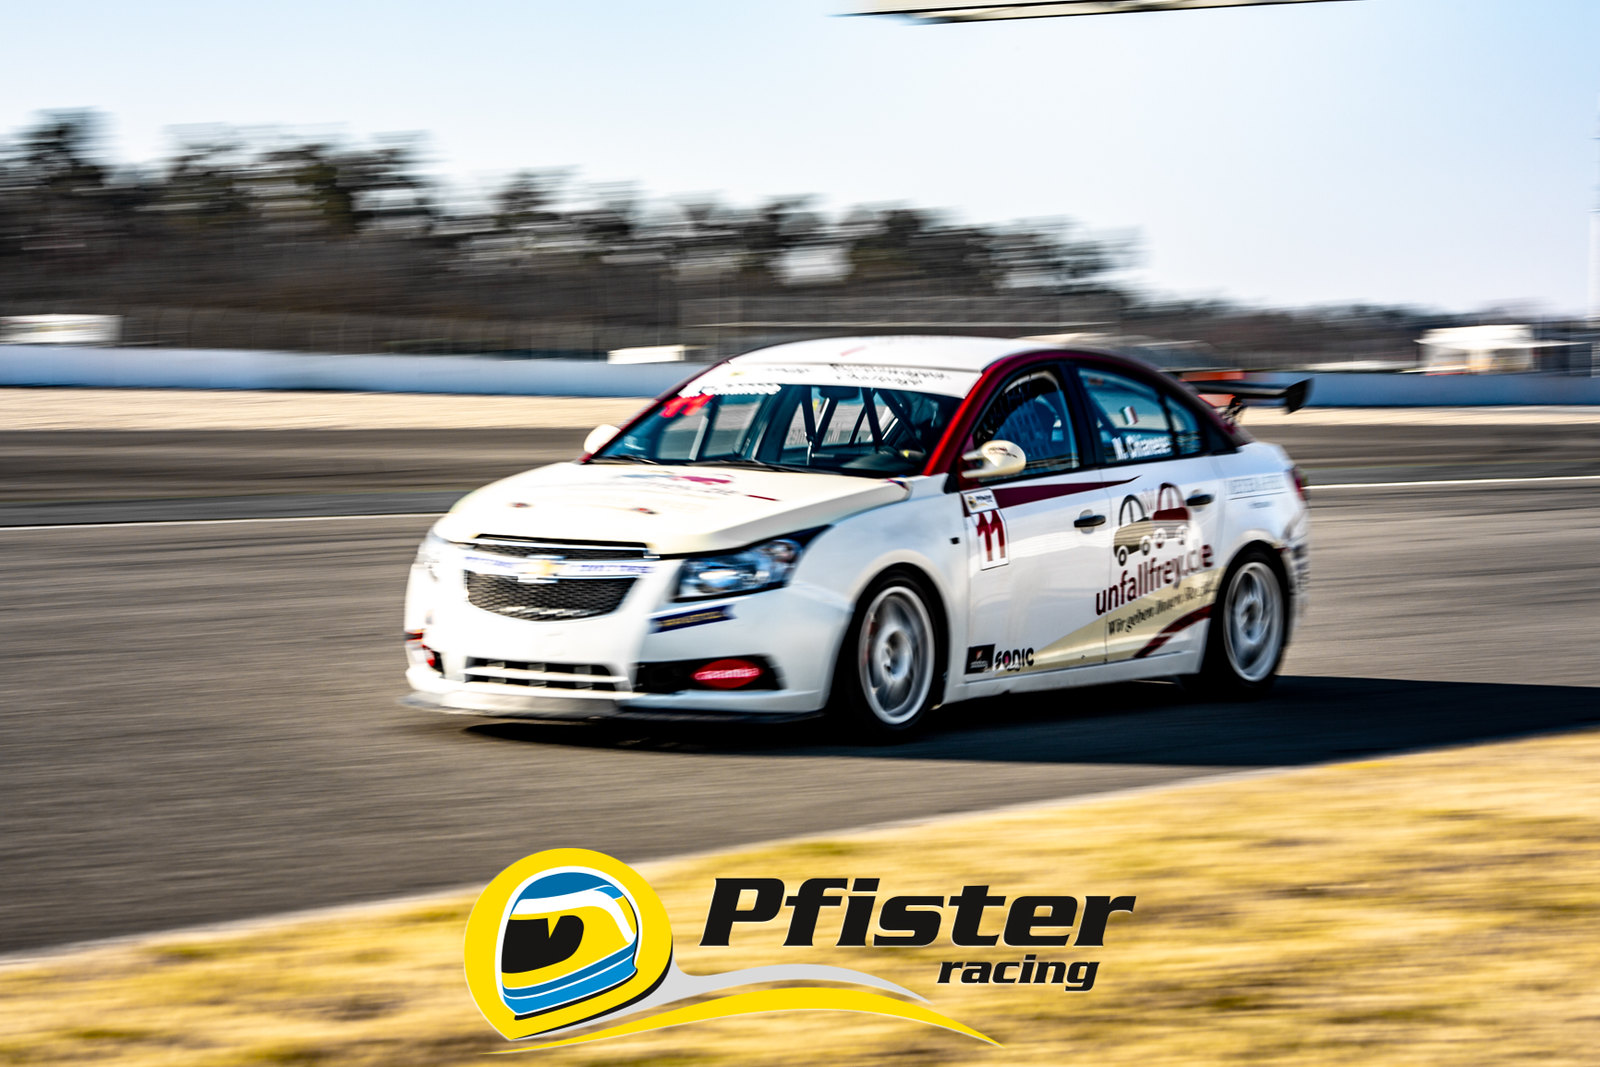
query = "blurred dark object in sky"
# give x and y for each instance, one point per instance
(283, 242)
(968, 11)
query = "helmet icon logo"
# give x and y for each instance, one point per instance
(566, 935)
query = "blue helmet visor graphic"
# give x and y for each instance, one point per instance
(566, 936)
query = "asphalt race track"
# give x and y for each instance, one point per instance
(198, 722)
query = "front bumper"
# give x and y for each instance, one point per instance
(560, 709)
(795, 629)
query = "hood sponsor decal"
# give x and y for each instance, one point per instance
(697, 617)
(705, 485)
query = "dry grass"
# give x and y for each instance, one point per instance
(1440, 908)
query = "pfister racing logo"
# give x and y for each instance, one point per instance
(565, 940)
(570, 946)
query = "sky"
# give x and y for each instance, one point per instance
(1437, 153)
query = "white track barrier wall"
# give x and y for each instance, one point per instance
(162, 368)
(168, 368)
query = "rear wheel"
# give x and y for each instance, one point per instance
(1249, 627)
(885, 680)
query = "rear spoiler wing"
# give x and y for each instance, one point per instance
(1238, 391)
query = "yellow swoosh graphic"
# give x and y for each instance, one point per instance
(770, 1000)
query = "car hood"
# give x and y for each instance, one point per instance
(672, 509)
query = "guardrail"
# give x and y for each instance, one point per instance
(153, 368)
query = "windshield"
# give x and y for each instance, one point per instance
(836, 429)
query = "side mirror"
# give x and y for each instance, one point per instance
(996, 459)
(598, 438)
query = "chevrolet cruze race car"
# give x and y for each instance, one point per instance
(870, 526)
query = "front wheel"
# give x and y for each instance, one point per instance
(884, 683)
(1249, 627)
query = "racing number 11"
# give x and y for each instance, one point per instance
(990, 527)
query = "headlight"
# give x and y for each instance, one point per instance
(750, 570)
(431, 553)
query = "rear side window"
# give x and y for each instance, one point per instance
(1186, 429)
(1130, 418)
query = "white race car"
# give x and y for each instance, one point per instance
(871, 526)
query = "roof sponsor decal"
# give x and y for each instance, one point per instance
(766, 378)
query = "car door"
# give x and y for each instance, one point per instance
(1037, 542)
(1167, 513)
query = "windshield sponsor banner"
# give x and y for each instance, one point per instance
(742, 378)
(569, 946)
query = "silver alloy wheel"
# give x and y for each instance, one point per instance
(895, 655)
(1253, 621)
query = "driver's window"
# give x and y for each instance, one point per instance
(1032, 414)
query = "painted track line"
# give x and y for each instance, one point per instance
(223, 522)
(1314, 486)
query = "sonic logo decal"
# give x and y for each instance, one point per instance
(564, 941)
(981, 659)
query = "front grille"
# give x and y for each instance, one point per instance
(533, 546)
(578, 598)
(595, 677)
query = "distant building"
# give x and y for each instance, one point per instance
(1505, 349)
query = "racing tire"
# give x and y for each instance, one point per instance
(1249, 631)
(889, 672)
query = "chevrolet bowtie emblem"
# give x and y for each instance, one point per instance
(538, 571)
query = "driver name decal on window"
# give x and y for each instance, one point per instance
(1143, 447)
